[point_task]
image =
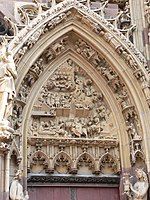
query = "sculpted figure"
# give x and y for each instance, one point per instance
(16, 189)
(138, 191)
(7, 88)
(140, 188)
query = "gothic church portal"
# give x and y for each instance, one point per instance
(74, 100)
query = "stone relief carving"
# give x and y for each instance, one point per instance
(71, 92)
(105, 70)
(63, 83)
(16, 189)
(37, 67)
(70, 108)
(133, 129)
(120, 91)
(36, 70)
(66, 89)
(121, 20)
(34, 37)
(73, 156)
(25, 12)
(26, 85)
(138, 190)
(17, 115)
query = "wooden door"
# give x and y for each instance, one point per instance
(73, 193)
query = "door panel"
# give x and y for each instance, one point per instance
(97, 194)
(73, 193)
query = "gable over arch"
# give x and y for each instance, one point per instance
(71, 31)
(87, 16)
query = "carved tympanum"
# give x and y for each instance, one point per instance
(71, 105)
(71, 112)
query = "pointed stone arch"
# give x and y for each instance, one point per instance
(15, 150)
(87, 160)
(15, 159)
(110, 161)
(105, 41)
(39, 158)
(63, 161)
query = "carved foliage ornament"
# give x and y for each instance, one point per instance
(39, 158)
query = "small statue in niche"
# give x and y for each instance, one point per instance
(7, 87)
(137, 191)
(16, 189)
(133, 132)
(34, 128)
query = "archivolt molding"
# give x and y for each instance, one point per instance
(45, 76)
(89, 53)
(129, 114)
(100, 29)
(73, 12)
(113, 80)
